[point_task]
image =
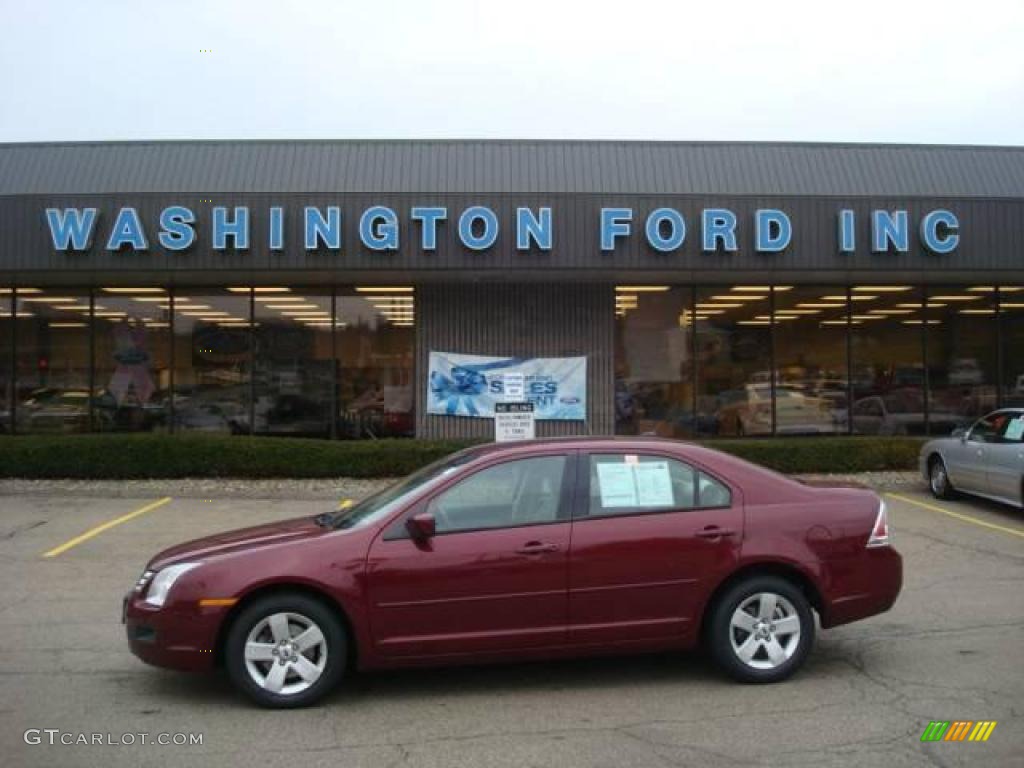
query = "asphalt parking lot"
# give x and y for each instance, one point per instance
(951, 649)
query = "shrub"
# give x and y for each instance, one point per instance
(826, 454)
(127, 457)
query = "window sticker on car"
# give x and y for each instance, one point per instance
(1015, 429)
(617, 485)
(631, 458)
(653, 484)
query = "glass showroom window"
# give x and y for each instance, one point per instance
(734, 359)
(211, 360)
(1011, 307)
(374, 328)
(132, 372)
(6, 360)
(653, 360)
(962, 354)
(52, 365)
(887, 368)
(294, 363)
(810, 360)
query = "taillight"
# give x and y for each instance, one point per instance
(880, 530)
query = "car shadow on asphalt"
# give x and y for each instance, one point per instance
(604, 672)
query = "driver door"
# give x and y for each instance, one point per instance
(969, 457)
(493, 578)
(1005, 468)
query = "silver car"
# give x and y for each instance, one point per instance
(985, 460)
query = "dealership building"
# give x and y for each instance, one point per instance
(361, 289)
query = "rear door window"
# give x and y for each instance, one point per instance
(623, 484)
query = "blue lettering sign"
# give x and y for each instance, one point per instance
(937, 241)
(275, 239)
(176, 231)
(772, 230)
(127, 230)
(320, 230)
(718, 224)
(889, 229)
(614, 224)
(845, 232)
(237, 229)
(467, 225)
(71, 227)
(429, 218)
(378, 228)
(676, 225)
(535, 228)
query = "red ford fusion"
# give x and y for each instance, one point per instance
(527, 550)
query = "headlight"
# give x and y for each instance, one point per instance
(143, 582)
(164, 580)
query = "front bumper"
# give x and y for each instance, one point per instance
(176, 636)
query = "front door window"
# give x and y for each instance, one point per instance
(515, 493)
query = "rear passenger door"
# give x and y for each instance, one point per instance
(650, 533)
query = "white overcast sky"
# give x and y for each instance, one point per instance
(859, 70)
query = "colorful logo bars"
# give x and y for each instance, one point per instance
(958, 730)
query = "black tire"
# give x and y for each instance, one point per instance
(307, 608)
(721, 633)
(938, 479)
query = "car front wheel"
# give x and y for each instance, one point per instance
(938, 479)
(761, 630)
(285, 650)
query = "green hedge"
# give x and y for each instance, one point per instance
(826, 454)
(124, 457)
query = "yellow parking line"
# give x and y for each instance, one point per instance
(104, 527)
(958, 515)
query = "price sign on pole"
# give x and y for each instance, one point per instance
(513, 421)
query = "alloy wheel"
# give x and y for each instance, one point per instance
(285, 653)
(765, 631)
(939, 479)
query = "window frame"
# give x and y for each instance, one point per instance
(973, 437)
(565, 496)
(1001, 437)
(581, 509)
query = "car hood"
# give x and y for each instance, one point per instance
(239, 540)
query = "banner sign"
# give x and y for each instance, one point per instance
(470, 385)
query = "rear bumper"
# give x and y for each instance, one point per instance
(171, 637)
(871, 585)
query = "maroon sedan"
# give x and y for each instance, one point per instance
(526, 550)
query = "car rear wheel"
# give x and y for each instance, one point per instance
(938, 479)
(761, 630)
(285, 650)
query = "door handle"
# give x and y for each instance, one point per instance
(536, 548)
(714, 532)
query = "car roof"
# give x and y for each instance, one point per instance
(599, 443)
(577, 442)
(759, 484)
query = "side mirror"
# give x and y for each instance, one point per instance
(421, 526)
(960, 432)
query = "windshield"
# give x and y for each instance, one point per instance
(381, 503)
